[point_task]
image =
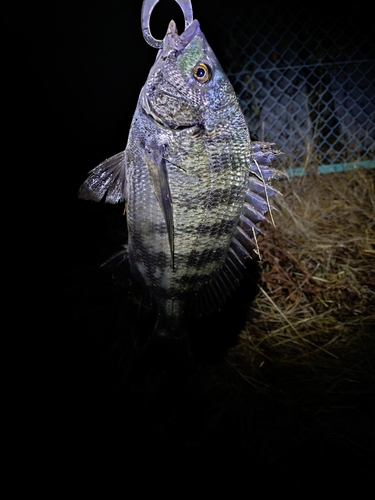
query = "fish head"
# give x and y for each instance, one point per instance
(186, 82)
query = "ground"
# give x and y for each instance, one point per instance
(285, 372)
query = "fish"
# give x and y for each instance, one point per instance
(194, 184)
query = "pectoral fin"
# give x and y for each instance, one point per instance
(158, 174)
(108, 179)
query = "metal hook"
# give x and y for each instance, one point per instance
(147, 8)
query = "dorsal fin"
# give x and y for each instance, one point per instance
(243, 244)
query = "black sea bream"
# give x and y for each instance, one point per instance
(194, 184)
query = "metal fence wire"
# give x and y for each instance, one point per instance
(304, 78)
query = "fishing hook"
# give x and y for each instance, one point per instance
(147, 8)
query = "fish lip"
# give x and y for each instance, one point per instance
(173, 41)
(191, 31)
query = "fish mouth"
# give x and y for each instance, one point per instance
(174, 41)
(191, 31)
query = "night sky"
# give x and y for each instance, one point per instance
(76, 77)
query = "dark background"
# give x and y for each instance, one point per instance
(77, 411)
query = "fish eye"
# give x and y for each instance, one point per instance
(202, 73)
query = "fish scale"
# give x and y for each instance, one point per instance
(194, 184)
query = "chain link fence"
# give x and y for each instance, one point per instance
(305, 78)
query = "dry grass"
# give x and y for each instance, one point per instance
(296, 393)
(316, 306)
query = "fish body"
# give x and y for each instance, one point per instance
(194, 184)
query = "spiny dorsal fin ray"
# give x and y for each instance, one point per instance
(251, 213)
(249, 226)
(241, 252)
(245, 239)
(158, 174)
(260, 204)
(243, 245)
(107, 179)
(257, 186)
(261, 157)
(233, 269)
